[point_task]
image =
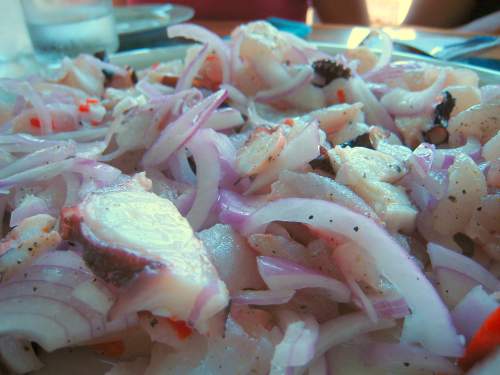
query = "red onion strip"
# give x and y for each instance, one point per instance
(281, 274)
(375, 112)
(385, 56)
(429, 315)
(471, 312)
(180, 169)
(203, 35)
(442, 257)
(225, 118)
(40, 157)
(30, 206)
(179, 132)
(191, 70)
(262, 297)
(56, 303)
(208, 176)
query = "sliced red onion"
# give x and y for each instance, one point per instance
(295, 83)
(56, 302)
(404, 103)
(385, 55)
(262, 297)
(443, 257)
(375, 112)
(471, 312)
(30, 206)
(236, 96)
(452, 285)
(400, 357)
(298, 152)
(40, 157)
(73, 183)
(42, 173)
(297, 346)
(281, 274)
(24, 143)
(202, 300)
(185, 201)
(346, 327)
(18, 355)
(421, 197)
(179, 132)
(180, 169)
(445, 157)
(83, 135)
(362, 300)
(235, 208)
(203, 35)
(191, 70)
(225, 118)
(152, 90)
(493, 174)
(208, 176)
(429, 314)
(90, 168)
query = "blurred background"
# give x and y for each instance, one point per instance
(337, 21)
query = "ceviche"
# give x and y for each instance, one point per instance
(257, 207)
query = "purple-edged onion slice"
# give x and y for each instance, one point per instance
(445, 258)
(471, 312)
(202, 35)
(262, 297)
(281, 274)
(429, 314)
(208, 175)
(179, 132)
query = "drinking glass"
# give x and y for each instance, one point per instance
(69, 27)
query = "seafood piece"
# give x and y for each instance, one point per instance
(139, 242)
(33, 237)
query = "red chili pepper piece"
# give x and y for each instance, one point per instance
(35, 122)
(181, 328)
(84, 108)
(484, 342)
(341, 95)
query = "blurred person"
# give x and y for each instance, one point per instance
(467, 15)
(329, 11)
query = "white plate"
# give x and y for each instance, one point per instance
(143, 58)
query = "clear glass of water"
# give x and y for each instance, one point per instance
(69, 27)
